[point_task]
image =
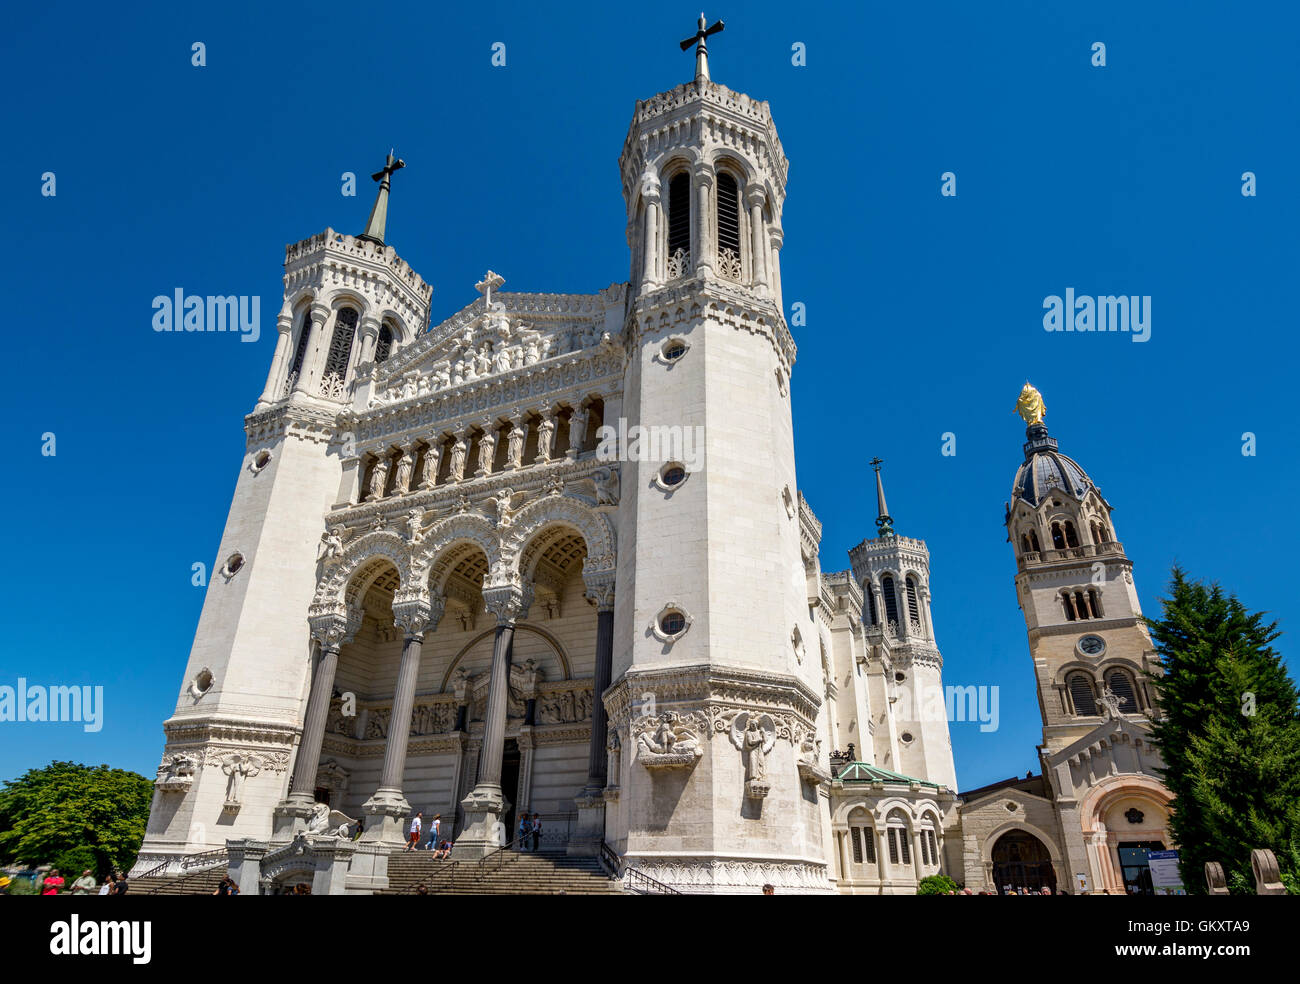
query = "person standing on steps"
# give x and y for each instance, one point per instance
(413, 839)
(525, 831)
(537, 831)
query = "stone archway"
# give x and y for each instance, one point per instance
(1120, 810)
(1023, 863)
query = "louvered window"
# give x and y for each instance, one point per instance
(728, 214)
(869, 842)
(893, 845)
(345, 328)
(855, 838)
(871, 605)
(385, 344)
(304, 333)
(913, 610)
(1085, 703)
(679, 214)
(891, 598)
(1122, 687)
(903, 847)
(934, 846)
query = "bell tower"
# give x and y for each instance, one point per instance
(233, 739)
(718, 684)
(1075, 585)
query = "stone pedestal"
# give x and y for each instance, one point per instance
(290, 818)
(485, 830)
(388, 815)
(589, 831)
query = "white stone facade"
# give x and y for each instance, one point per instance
(643, 650)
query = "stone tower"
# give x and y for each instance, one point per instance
(717, 678)
(1075, 588)
(349, 302)
(911, 729)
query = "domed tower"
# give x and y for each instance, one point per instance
(1075, 587)
(910, 731)
(716, 651)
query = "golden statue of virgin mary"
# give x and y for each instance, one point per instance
(1030, 406)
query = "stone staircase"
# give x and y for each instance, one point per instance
(203, 882)
(512, 873)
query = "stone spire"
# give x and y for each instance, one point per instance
(701, 49)
(379, 213)
(884, 522)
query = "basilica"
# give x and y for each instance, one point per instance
(445, 592)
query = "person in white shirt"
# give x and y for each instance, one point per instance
(435, 833)
(413, 840)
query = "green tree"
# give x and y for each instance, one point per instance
(61, 810)
(936, 885)
(1229, 732)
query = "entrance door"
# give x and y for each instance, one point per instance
(1021, 863)
(510, 786)
(1134, 866)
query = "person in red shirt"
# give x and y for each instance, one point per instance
(53, 882)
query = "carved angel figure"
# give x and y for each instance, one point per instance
(754, 735)
(606, 480)
(331, 546)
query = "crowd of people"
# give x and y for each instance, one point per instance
(53, 883)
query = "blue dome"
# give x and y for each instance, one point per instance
(1045, 468)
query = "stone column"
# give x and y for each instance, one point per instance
(275, 378)
(703, 175)
(330, 631)
(650, 250)
(317, 346)
(776, 238)
(589, 832)
(758, 241)
(388, 808)
(485, 805)
(369, 332)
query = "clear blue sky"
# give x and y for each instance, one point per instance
(924, 312)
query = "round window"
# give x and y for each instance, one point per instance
(233, 565)
(673, 349)
(672, 475)
(203, 681)
(900, 677)
(262, 459)
(672, 623)
(906, 737)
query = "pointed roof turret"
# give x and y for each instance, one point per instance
(378, 220)
(884, 522)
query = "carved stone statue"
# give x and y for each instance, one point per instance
(239, 767)
(503, 507)
(458, 452)
(487, 445)
(515, 449)
(429, 473)
(405, 464)
(667, 742)
(177, 771)
(379, 479)
(331, 546)
(414, 522)
(606, 480)
(754, 735)
(577, 428)
(501, 361)
(545, 434)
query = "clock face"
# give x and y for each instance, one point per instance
(1091, 645)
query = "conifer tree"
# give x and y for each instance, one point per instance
(1229, 732)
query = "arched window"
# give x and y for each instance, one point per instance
(1071, 536)
(913, 609)
(1033, 539)
(1058, 538)
(1094, 602)
(300, 352)
(345, 329)
(1084, 700)
(728, 219)
(891, 598)
(1121, 685)
(896, 834)
(873, 618)
(384, 345)
(1067, 602)
(1024, 543)
(679, 215)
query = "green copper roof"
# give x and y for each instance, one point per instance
(861, 772)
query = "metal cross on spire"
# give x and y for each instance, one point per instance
(379, 213)
(701, 49)
(884, 522)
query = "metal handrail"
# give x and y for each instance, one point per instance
(636, 879)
